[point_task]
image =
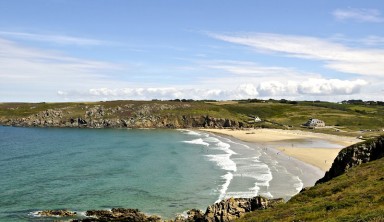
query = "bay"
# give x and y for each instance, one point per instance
(162, 172)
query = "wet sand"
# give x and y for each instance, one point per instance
(316, 149)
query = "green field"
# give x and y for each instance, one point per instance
(344, 119)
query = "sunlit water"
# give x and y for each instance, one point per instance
(163, 172)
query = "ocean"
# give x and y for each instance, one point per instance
(158, 171)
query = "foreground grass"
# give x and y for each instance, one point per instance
(357, 195)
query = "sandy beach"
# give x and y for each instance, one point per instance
(316, 149)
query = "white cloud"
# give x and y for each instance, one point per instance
(373, 40)
(360, 15)
(244, 71)
(243, 91)
(318, 87)
(146, 93)
(57, 39)
(277, 88)
(335, 55)
(36, 73)
(331, 86)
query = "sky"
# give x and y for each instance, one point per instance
(92, 50)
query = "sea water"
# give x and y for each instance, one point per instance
(162, 172)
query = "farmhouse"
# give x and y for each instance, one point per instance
(314, 123)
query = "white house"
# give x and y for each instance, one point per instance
(314, 123)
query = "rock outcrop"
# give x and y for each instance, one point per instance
(57, 213)
(119, 214)
(354, 155)
(127, 116)
(229, 209)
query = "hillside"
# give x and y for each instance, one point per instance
(347, 193)
(344, 119)
(355, 196)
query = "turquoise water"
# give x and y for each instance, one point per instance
(163, 172)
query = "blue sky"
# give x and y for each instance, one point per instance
(70, 50)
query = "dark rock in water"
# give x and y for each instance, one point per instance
(355, 155)
(119, 214)
(57, 213)
(224, 211)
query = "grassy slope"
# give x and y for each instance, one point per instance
(343, 116)
(348, 118)
(355, 196)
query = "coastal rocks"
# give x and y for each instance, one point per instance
(233, 208)
(224, 211)
(119, 214)
(116, 214)
(355, 155)
(120, 114)
(56, 213)
(209, 122)
(229, 209)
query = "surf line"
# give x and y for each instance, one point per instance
(222, 160)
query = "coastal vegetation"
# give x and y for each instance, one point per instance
(357, 195)
(351, 118)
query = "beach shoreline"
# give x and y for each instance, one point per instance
(316, 149)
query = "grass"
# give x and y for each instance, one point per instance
(350, 118)
(357, 195)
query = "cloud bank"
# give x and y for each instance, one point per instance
(318, 87)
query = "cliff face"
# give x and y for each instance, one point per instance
(355, 155)
(127, 116)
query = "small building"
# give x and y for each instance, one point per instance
(314, 123)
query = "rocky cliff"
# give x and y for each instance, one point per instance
(125, 116)
(354, 155)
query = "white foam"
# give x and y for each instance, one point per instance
(35, 214)
(256, 158)
(197, 142)
(38, 214)
(82, 213)
(212, 140)
(190, 132)
(228, 177)
(223, 161)
(255, 190)
(240, 144)
(224, 147)
(240, 194)
(298, 185)
(265, 177)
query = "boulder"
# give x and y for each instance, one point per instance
(231, 209)
(56, 213)
(120, 214)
